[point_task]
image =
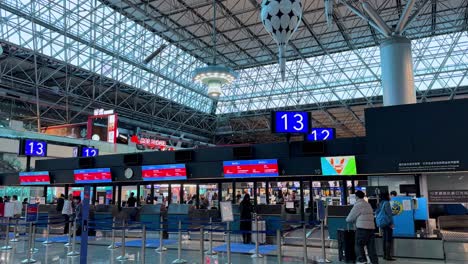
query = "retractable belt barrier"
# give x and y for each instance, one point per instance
(202, 225)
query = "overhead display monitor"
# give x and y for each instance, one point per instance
(321, 134)
(290, 122)
(170, 172)
(251, 168)
(34, 178)
(33, 148)
(100, 175)
(343, 165)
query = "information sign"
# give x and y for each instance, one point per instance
(89, 152)
(31, 212)
(321, 134)
(34, 148)
(226, 211)
(251, 168)
(164, 172)
(290, 122)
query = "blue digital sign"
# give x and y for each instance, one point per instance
(34, 148)
(89, 152)
(290, 122)
(321, 134)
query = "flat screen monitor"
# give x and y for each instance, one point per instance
(170, 172)
(34, 178)
(100, 175)
(290, 205)
(251, 168)
(408, 188)
(343, 165)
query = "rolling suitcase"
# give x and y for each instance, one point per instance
(346, 240)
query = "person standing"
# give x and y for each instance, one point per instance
(246, 219)
(384, 219)
(17, 209)
(60, 202)
(78, 214)
(131, 202)
(67, 211)
(362, 215)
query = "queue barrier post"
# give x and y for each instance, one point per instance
(15, 232)
(33, 248)
(29, 258)
(112, 245)
(69, 243)
(7, 236)
(210, 251)
(179, 259)
(278, 244)
(202, 245)
(143, 244)
(161, 247)
(123, 256)
(73, 252)
(256, 254)
(228, 229)
(47, 241)
(304, 230)
(322, 237)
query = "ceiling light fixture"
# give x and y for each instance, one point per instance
(214, 76)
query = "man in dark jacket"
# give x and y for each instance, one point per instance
(363, 216)
(60, 202)
(246, 210)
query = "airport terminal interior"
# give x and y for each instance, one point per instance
(233, 131)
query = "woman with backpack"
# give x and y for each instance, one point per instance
(384, 220)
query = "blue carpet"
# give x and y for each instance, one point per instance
(61, 239)
(246, 248)
(150, 243)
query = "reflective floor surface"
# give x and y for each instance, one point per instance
(56, 253)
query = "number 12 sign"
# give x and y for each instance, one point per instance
(290, 122)
(321, 134)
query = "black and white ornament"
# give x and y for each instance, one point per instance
(281, 19)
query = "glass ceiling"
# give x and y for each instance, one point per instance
(91, 35)
(439, 62)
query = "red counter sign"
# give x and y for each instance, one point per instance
(164, 172)
(93, 175)
(34, 178)
(251, 168)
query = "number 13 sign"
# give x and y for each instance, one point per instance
(290, 122)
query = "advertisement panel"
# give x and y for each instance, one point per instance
(343, 165)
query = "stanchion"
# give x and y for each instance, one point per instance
(143, 244)
(123, 256)
(228, 246)
(161, 247)
(179, 259)
(278, 244)
(256, 254)
(33, 248)
(15, 231)
(210, 251)
(202, 245)
(73, 252)
(304, 230)
(29, 258)
(112, 245)
(324, 254)
(69, 243)
(7, 237)
(47, 241)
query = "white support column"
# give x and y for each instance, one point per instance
(397, 71)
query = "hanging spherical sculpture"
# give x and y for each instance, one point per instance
(281, 19)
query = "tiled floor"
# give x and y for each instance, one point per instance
(97, 254)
